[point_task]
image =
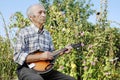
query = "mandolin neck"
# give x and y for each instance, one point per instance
(55, 53)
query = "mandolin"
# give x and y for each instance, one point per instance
(45, 66)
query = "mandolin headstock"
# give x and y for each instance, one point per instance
(76, 46)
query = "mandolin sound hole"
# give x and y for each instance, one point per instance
(49, 66)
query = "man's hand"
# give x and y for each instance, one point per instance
(69, 48)
(39, 56)
(46, 56)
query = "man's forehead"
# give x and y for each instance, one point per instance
(38, 7)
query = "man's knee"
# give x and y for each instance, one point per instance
(28, 78)
(33, 78)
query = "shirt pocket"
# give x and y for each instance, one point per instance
(32, 44)
(44, 45)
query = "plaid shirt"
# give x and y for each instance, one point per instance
(29, 40)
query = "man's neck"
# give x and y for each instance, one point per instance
(40, 26)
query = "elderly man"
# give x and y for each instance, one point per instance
(32, 38)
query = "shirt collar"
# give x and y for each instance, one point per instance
(36, 29)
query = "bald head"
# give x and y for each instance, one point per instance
(32, 8)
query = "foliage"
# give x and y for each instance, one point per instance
(7, 67)
(18, 20)
(96, 59)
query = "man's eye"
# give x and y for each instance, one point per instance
(40, 12)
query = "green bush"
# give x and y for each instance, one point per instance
(7, 67)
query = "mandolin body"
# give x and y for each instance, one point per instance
(44, 66)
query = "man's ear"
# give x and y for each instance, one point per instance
(31, 17)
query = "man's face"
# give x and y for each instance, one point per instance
(39, 14)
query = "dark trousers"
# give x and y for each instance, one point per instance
(28, 74)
